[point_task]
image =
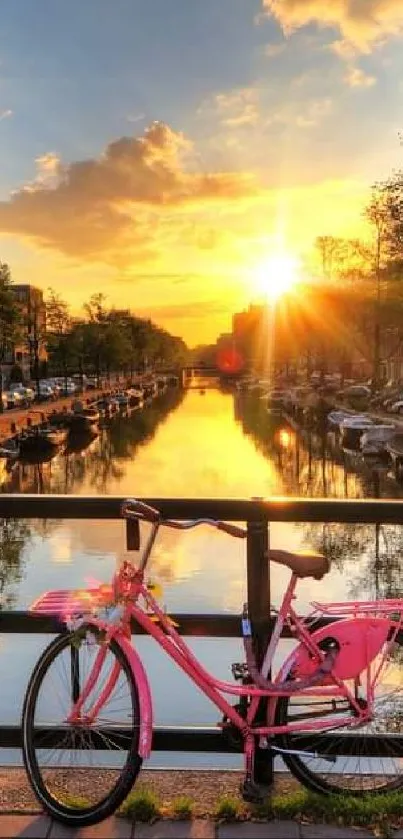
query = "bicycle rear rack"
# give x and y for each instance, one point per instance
(356, 608)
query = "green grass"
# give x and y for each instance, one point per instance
(141, 805)
(228, 809)
(368, 810)
(379, 812)
(79, 802)
(182, 807)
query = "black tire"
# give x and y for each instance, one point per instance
(360, 767)
(56, 786)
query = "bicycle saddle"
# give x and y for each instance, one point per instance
(302, 564)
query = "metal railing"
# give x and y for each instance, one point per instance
(257, 513)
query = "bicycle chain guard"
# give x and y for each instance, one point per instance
(359, 640)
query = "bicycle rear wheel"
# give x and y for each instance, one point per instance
(344, 759)
(63, 760)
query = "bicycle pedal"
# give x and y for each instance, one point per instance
(252, 792)
(240, 671)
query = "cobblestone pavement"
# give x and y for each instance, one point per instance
(41, 827)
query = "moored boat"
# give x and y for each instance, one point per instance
(149, 390)
(275, 405)
(85, 420)
(41, 439)
(374, 440)
(335, 418)
(80, 441)
(9, 449)
(352, 429)
(122, 399)
(394, 448)
(135, 397)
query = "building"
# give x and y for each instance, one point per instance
(31, 348)
(392, 355)
(251, 331)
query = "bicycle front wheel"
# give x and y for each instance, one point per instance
(346, 758)
(81, 772)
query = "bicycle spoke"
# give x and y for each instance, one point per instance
(65, 758)
(365, 758)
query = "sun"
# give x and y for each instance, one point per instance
(275, 275)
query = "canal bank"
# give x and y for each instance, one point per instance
(15, 420)
(19, 419)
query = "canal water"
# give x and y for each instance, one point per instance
(190, 444)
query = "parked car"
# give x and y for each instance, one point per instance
(46, 391)
(390, 401)
(26, 393)
(67, 388)
(358, 390)
(397, 407)
(55, 384)
(13, 399)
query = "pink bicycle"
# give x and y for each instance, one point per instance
(333, 711)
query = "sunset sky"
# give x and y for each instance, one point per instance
(160, 151)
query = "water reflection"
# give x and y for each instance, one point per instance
(14, 538)
(91, 465)
(206, 445)
(198, 445)
(312, 465)
(93, 460)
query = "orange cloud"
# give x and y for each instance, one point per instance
(315, 111)
(234, 108)
(355, 77)
(107, 209)
(195, 310)
(49, 169)
(362, 23)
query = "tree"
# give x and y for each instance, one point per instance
(94, 332)
(58, 326)
(391, 193)
(95, 308)
(378, 215)
(9, 319)
(57, 314)
(108, 339)
(14, 535)
(332, 252)
(341, 259)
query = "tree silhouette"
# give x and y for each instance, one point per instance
(14, 536)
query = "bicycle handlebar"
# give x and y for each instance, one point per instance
(232, 529)
(131, 508)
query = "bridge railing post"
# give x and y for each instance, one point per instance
(258, 587)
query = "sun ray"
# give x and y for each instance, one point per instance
(276, 275)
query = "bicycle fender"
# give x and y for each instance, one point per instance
(144, 692)
(359, 641)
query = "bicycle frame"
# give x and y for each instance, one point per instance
(336, 670)
(170, 640)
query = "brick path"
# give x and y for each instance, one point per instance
(41, 827)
